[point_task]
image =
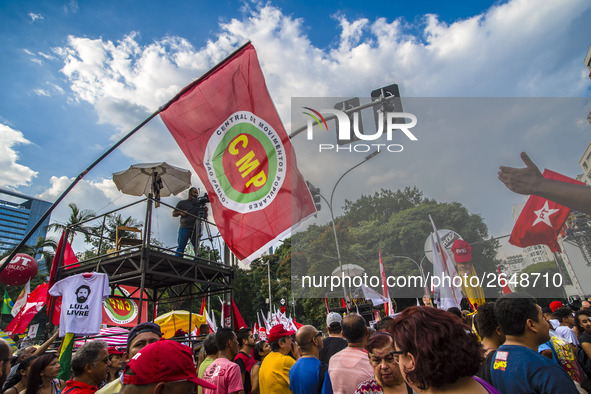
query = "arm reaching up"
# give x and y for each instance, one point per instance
(529, 180)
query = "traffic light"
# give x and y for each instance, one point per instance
(393, 105)
(315, 192)
(346, 105)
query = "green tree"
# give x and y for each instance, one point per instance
(76, 217)
(395, 223)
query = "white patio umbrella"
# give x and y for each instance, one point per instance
(349, 270)
(158, 179)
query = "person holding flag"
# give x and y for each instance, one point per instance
(529, 180)
(547, 209)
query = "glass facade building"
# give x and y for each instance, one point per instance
(18, 214)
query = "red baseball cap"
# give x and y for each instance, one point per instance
(278, 331)
(113, 350)
(555, 305)
(163, 361)
(462, 251)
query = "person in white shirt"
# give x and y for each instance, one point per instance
(565, 317)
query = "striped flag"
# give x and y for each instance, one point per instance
(21, 300)
(65, 357)
(446, 295)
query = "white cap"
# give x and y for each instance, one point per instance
(333, 317)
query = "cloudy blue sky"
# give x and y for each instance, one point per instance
(76, 76)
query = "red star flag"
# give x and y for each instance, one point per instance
(541, 220)
(227, 126)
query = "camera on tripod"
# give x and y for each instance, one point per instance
(201, 208)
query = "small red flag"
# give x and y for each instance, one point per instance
(228, 128)
(343, 303)
(541, 220)
(202, 310)
(238, 320)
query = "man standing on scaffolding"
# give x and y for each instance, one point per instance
(191, 211)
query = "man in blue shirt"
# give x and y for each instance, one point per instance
(308, 375)
(517, 367)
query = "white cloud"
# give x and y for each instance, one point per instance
(13, 174)
(35, 17)
(42, 92)
(505, 51)
(71, 7)
(45, 55)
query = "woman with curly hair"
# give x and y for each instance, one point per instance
(43, 376)
(437, 352)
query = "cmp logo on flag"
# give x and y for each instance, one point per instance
(245, 162)
(119, 308)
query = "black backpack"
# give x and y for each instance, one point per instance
(583, 360)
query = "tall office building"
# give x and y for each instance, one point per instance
(18, 215)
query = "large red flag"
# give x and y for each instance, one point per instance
(227, 126)
(541, 220)
(69, 261)
(35, 303)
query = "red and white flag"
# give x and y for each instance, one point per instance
(227, 126)
(446, 294)
(22, 299)
(541, 220)
(35, 303)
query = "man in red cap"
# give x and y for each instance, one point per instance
(162, 367)
(274, 371)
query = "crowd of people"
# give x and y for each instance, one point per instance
(510, 346)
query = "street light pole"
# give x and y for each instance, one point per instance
(269, 278)
(419, 265)
(334, 228)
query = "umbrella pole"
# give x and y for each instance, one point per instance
(145, 256)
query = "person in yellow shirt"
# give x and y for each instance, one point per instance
(274, 372)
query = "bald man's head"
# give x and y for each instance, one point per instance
(308, 337)
(26, 352)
